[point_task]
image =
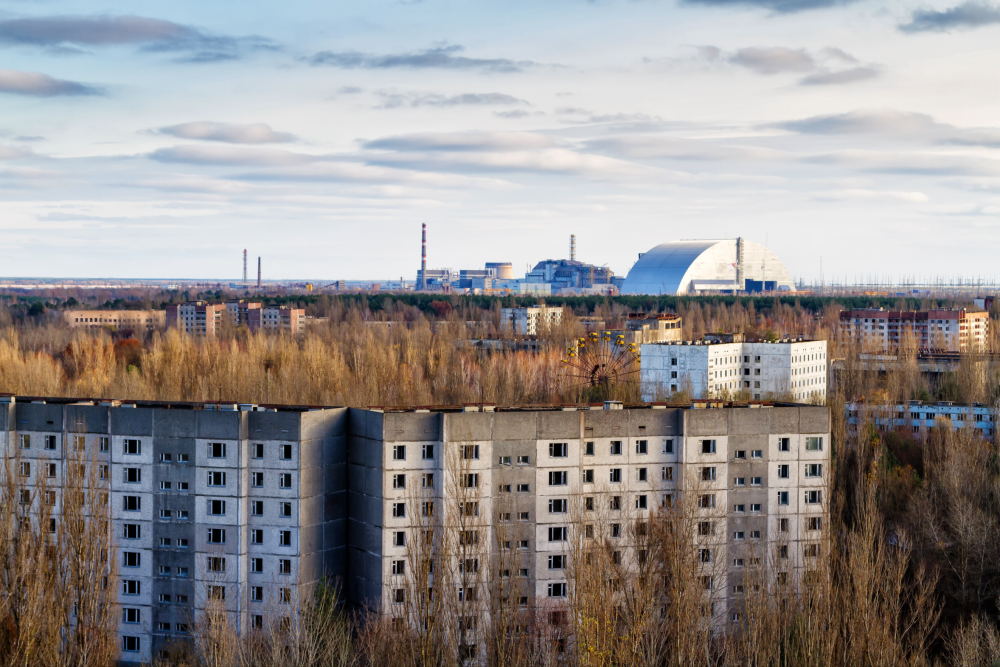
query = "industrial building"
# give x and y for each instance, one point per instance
(944, 330)
(698, 267)
(921, 418)
(730, 365)
(198, 318)
(250, 503)
(531, 320)
(137, 320)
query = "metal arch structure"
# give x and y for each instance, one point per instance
(600, 360)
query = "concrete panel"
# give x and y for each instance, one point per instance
(132, 421)
(705, 422)
(335, 565)
(356, 446)
(218, 424)
(311, 454)
(749, 421)
(747, 443)
(412, 426)
(39, 417)
(606, 423)
(335, 478)
(356, 535)
(335, 534)
(374, 453)
(374, 513)
(559, 425)
(311, 511)
(374, 483)
(814, 419)
(375, 425)
(357, 422)
(325, 423)
(311, 538)
(311, 482)
(467, 426)
(515, 426)
(175, 423)
(311, 567)
(335, 449)
(784, 420)
(356, 479)
(654, 423)
(8, 416)
(273, 425)
(86, 419)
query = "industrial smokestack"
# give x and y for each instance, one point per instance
(244, 266)
(572, 247)
(423, 257)
(258, 273)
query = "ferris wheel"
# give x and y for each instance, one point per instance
(600, 360)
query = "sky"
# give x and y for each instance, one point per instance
(159, 140)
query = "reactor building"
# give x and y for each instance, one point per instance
(707, 266)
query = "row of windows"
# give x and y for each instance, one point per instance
(556, 450)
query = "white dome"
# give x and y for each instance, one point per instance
(688, 267)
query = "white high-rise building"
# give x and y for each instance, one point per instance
(728, 364)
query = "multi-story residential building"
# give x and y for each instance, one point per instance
(207, 500)
(641, 329)
(948, 330)
(729, 364)
(137, 320)
(531, 320)
(920, 417)
(758, 475)
(204, 319)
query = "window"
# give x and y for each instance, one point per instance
(131, 587)
(708, 446)
(165, 514)
(616, 447)
(164, 597)
(705, 555)
(131, 559)
(399, 510)
(257, 565)
(216, 535)
(216, 564)
(50, 442)
(285, 538)
(706, 501)
(641, 447)
(217, 507)
(814, 497)
(285, 566)
(216, 592)
(286, 510)
(556, 478)
(738, 535)
(738, 562)
(182, 458)
(558, 506)
(588, 476)
(25, 441)
(50, 470)
(783, 551)
(256, 536)
(557, 534)
(182, 599)
(216, 450)
(131, 531)
(783, 525)
(558, 450)
(782, 497)
(783, 471)
(399, 481)
(668, 446)
(399, 453)
(667, 474)
(131, 644)
(132, 447)
(131, 503)
(468, 537)
(708, 474)
(286, 453)
(427, 509)
(784, 444)
(588, 448)
(810, 550)
(740, 454)
(105, 443)
(165, 486)
(641, 502)
(616, 475)
(757, 454)
(470, 452)
(505, 460)
(740, 508)
(165, 542)
(814, 444)
(557, 590)
(285, 480)
(814, 523)
(427, 452)
(257, 479)
(523, 460)
(258, 450)
(755, 507)
(399, 539)
(615, 503)
(756, 481)
(256, 593)
(739, 481)
(216, 478)
(814, 470)
(427, 480)
(25, 468)
(257, 508)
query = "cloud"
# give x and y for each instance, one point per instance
(843, 76)
(349, 90)
(516, 113)
(651, 147)
(255, 133)
(776, 6)
(36, 84)
(588, 116)
(224, 155)
(437, 58)
(11, 153)
(866, 121)
(965, 16)
(66, 35)
(773, 60)
(392, 100)
(464, 141)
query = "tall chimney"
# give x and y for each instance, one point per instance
(244, 267)
(258, 273)
(423, 257)
(572, 247)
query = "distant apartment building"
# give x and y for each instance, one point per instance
(206, 500)
(922, 417)
(642, 329)
(531, 320)
(537, 480)
(728, 364)
(948, 330)
(137, 320)
(199, 318)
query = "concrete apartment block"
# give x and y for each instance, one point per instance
(920, 418)
(137, 320)
(764, 467)
(204, 498)
(942, 330)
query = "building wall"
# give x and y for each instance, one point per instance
(944, 330)
(920, 418)
(120, 319)
(531, 320)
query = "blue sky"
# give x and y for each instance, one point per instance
(149, 139)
